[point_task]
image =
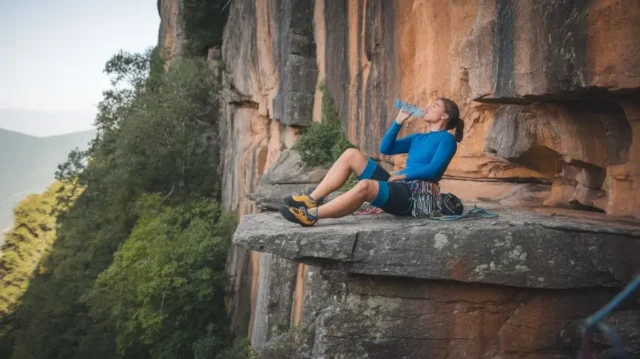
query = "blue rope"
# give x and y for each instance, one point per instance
(594, 321)
(473, 213)
(615, 340)
(615, 302)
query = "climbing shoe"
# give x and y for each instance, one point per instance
(298, 215)
(302, 200)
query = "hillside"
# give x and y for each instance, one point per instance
(45, 123)
(28, 164)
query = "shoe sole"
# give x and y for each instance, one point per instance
(284, 212)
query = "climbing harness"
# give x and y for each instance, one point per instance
(426, 199)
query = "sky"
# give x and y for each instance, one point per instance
(52, 56)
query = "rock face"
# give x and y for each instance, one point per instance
(509, 287)
(549, 91)
(296, 61)
(170, 36)
(273, 310)
(532, 136)
(517, 249)
(550, 95)
(381, 318)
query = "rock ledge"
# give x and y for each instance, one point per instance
(523, 249)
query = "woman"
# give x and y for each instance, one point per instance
(413, 191)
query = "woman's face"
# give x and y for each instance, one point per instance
(435, 112)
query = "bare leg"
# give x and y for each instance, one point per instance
(351, 161)
(347, 203)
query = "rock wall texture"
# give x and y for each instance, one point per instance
(518, 286)
(380, 318)
(528, 250)
(170, 35)
(549, 92)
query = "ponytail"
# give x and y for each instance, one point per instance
(454, 122)
(458, 125)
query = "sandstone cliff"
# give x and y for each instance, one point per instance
(549, 92)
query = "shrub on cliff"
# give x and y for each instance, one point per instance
(322, 143)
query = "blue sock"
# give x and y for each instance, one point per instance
(309, 215)
(308, 193)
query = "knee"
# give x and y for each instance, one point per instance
(351, 153)
(366, 188)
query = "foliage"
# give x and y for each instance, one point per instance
(146, 228)
(165, 287)
(30, 240)
(130, 75)
(322, 143)
(33, 233)
(203, 23)
(241, 349)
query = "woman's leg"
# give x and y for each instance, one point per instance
(365, 190)
(351, 161)
(347, 203)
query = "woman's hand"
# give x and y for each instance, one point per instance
(394, 178)
(402, 116)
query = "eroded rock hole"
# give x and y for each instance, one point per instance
(569, 142)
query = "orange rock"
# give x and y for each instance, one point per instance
(171, 37)
(548, 92)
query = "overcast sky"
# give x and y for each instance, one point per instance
(52, 54)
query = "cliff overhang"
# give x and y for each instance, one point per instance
(520, 248)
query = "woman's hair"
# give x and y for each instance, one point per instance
(454, 122)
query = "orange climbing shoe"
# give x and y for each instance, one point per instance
(303, 200)
(298, 215)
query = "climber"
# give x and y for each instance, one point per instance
(413, 191)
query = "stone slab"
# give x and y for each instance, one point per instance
(519, 248)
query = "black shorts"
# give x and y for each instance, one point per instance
(399, 201)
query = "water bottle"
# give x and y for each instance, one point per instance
(409, 108)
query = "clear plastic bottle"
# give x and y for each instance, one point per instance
(407, 107)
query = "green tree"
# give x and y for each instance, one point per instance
(137, 267)
(165, 287)
(30, 240)
(153, 140)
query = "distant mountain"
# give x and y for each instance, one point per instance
(45, 123)
(28, 165)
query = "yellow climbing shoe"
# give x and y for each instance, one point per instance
(298, 215)
(302, 200)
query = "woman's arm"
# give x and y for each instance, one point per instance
(389, 145)
(447, 147)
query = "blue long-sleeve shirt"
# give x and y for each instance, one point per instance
(429, 154)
